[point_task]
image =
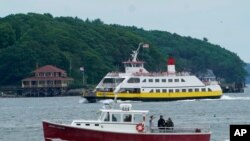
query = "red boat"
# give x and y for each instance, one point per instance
(121, 124)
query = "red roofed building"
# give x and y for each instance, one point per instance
(47, 78)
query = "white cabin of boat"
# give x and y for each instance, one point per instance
(116, 120)
(126, 120)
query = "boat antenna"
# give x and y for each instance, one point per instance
(136, 52)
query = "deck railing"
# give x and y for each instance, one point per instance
(178, 129)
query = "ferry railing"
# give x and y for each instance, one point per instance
(161, 74)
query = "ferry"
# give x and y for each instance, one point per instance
(138, 84)
(124, 124)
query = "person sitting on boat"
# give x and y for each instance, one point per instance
(114, 118)
(161, 123)
(128, 118)
(169, 123)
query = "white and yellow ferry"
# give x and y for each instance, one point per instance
(136, 83)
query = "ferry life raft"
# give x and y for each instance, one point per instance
(120, 125)
(136, 83)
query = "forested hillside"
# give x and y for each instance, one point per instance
(248, 70)
(28, 40)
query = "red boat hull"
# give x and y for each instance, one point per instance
(67, 133)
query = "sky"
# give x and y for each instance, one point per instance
(222, 22)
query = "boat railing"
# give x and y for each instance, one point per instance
(112, 74)
(161, 74)
(178, 129)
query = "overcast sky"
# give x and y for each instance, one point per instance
(222, 22)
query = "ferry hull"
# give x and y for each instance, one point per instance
(57, 132)
(152, 99)
(153, 96)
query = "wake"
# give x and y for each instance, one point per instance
(227, 97)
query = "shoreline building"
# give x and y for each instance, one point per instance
(47, 81)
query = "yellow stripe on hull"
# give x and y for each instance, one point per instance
(176, 95)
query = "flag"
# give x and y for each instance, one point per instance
(145, 45)
(81, 68)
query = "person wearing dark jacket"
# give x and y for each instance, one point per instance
(161, 123)
(169, 123)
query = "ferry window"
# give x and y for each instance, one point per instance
(151, 91)
(170, 80)
(127, 118)
(190, 90)
(163, 80)
(134, 80)
(157, 80)
(136, 90)
(177, 90)
(196, 89)
(182, 80)
(203, 89)
(164, 90)
(176, 80)
(150, 80)
(108, 80)
(157, 90)
(145, 80)
(171, 90)
(209, 90)
(183, 90)
(119, 80)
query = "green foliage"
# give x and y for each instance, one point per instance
(27, 40)
(248, 71)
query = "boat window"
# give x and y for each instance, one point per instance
(203, 89)
(170, 80)
(182, 80)
(176, 80)
(134, 80)
(109, 80)
(157, 80)
(177, 90)
(196, 89)
(100, 115)
(151, 91)
(190, 90)
(164, 90)
(127, 118)
(209, 90)
(171, 90)
(119, 80)
(150, 80)
(116, 118)
(107, 117)
(163, 80)
(157, 90)
(145, 80)
(137, 118)
(130, 90)
(183, 90)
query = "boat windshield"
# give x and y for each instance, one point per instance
(112, 80)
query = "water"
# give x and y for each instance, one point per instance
(21, 118)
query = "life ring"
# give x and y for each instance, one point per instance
(140, 127)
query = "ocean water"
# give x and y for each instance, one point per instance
(21, 118)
